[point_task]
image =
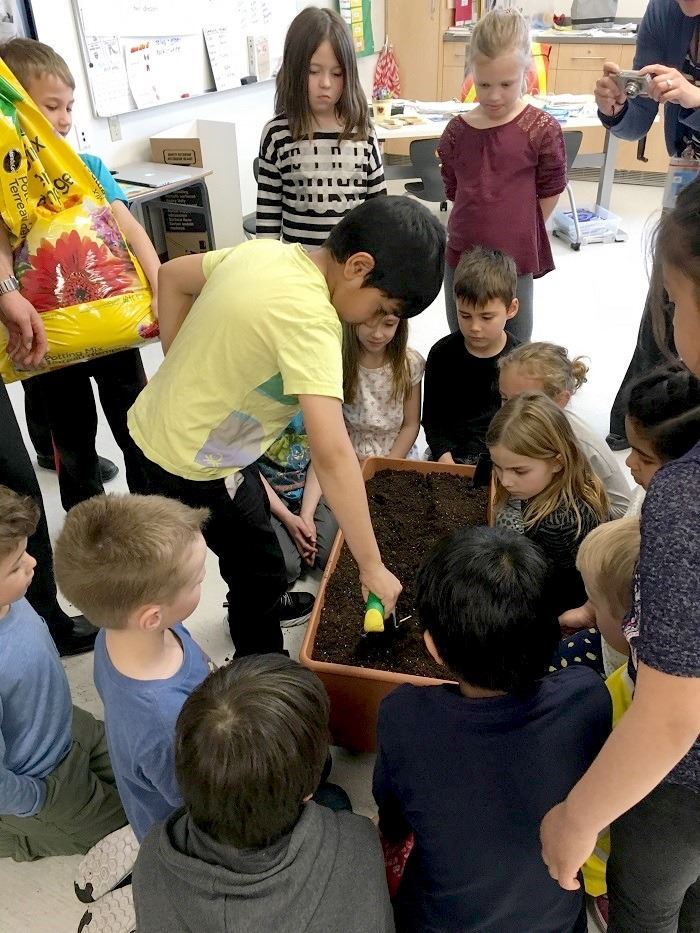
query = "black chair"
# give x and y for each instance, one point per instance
(249, 219)
(572, 143)
(424, 160)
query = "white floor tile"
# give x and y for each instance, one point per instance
(591, 304)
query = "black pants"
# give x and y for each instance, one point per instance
(17, 473)
(239, 532)
(37, 419)
(654, 869)
(67, 399)
(646, 357)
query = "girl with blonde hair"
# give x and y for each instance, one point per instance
(546, 367)
(503, 165)
(545, 487)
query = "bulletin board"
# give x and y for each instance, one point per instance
(144, 53)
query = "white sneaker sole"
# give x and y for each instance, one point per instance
(291, 623)
(113, 913)
(106, 865)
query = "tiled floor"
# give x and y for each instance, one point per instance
(591, 304)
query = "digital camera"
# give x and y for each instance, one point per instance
(632, 83)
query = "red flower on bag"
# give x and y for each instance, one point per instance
(149, 331)
(74, 270)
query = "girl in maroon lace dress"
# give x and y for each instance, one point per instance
(503, 164)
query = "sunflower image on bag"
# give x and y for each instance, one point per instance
(70, 257)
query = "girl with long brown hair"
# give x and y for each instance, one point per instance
(319, 155)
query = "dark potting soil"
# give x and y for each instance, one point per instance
(410, 512)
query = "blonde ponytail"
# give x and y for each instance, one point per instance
(500, 32)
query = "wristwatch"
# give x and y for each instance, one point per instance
(10, 284)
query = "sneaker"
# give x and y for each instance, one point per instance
(75, 639)
(295, 608)
(599, 909)
(106, 865)
(108, 469)
(113, 913)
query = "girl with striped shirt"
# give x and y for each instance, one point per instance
(319, 155)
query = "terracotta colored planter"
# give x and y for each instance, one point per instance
(356, 692)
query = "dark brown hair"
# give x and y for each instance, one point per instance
(250, 745)
(484, 274)
(28, 60)
(665, 408)
(19, 516)
(306, 32)
(119, 553)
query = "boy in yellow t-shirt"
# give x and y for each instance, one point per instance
(261, 341)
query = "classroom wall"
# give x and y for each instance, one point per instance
(249, 108)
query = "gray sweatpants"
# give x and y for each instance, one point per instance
(326, 528)
(654, 869)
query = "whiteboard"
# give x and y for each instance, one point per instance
(144, 53)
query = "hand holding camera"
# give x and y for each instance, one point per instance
(668, 85)
(658, 82)
(609, 96)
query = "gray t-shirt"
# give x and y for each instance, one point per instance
(664, 631)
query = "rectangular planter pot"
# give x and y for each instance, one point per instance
(356, 692)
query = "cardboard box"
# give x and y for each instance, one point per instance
(211, 145)
(185, 231)
(185, 244)
(177, 150)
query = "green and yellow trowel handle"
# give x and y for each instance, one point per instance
(374, 614)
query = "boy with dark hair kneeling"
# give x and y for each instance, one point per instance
(251, 850)
(468, 768)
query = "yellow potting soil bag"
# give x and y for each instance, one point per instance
(70, 257)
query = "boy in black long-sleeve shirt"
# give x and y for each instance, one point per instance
(461, 375)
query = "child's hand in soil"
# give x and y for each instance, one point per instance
(304, 539)
(446, 458)
(383, 584)
(574, 619)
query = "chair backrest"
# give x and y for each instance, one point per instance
(256, 167)
(425, 161)
(572, 143)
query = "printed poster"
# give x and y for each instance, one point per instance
(358, 15)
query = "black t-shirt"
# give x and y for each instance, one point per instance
(472, 779)
(461, 397)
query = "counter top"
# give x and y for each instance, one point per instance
(568, 38)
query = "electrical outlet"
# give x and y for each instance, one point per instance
(115, 129)
(83, 139)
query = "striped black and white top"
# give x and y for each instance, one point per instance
(306, 186)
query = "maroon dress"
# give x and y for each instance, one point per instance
(496, 177)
